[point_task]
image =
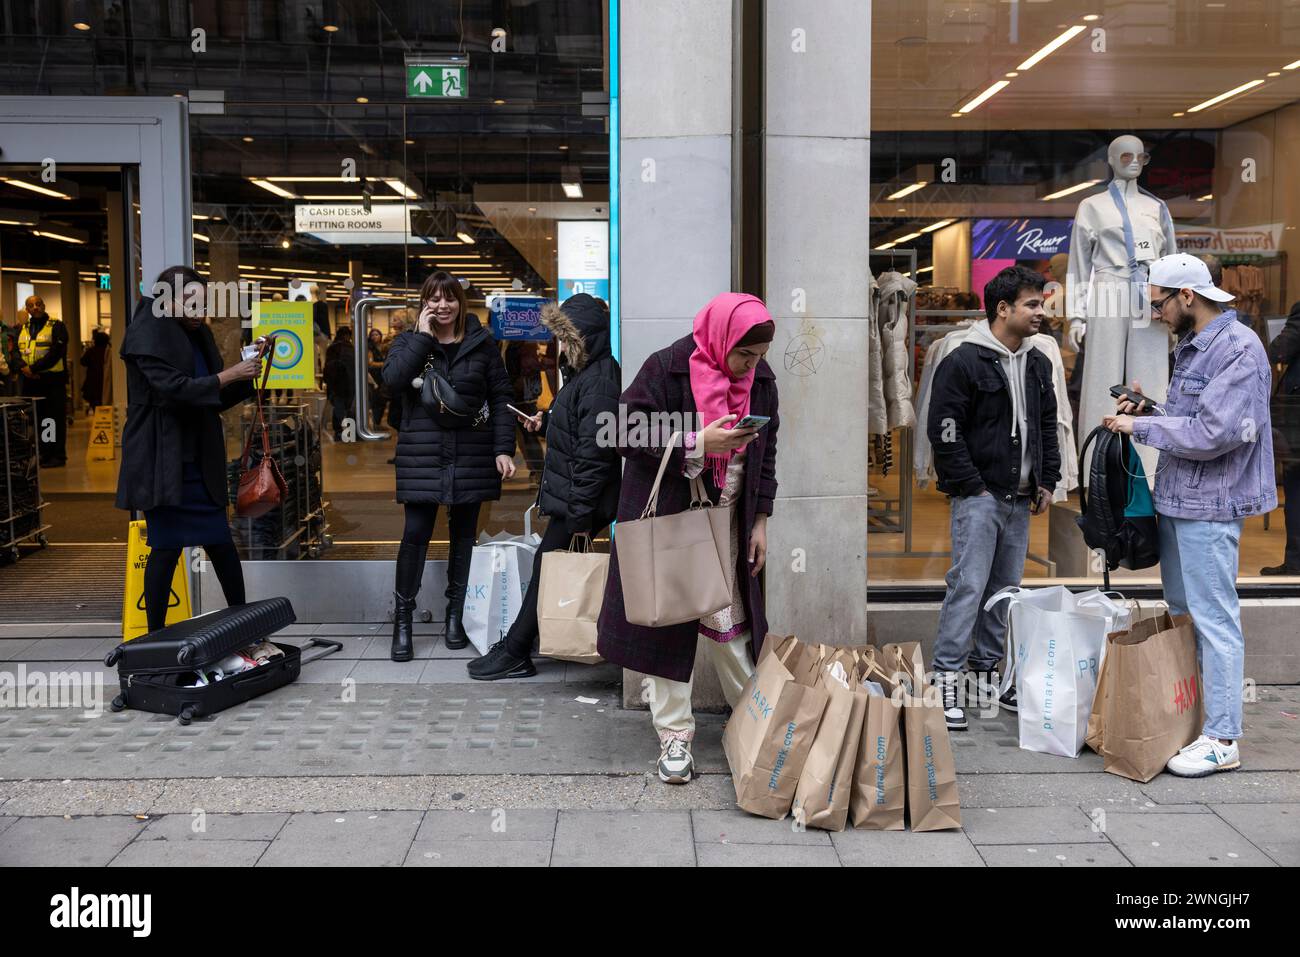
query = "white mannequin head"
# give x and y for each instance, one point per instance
(1126, 156)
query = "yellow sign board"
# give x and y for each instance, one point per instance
(135, 622)
(293, 365)
(102, 434)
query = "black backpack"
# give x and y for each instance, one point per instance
(1119, 516)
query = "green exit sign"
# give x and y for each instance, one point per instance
(437, 80)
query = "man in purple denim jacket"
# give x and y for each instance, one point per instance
(1216, 467)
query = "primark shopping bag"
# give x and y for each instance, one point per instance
(569, 597)
(932, 801)
(771, 731)
(499, 571)
(821, 799)
(1153, 705)
(879, 798)
(1055, 644)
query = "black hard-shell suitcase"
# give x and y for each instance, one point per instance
(151, 669)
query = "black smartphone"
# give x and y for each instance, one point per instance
(1144, 404)
(752, 422)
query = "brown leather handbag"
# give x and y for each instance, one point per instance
(262, 488)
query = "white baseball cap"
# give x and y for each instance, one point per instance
(1181, 271)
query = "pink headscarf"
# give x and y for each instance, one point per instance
(718, 327)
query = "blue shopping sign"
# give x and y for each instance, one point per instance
(599, 288)
(1020, 238)
(517, 318)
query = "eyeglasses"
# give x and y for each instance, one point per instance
(1158, 305)
(1126, 158)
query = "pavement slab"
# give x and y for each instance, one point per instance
(348, 839)
(623, 839)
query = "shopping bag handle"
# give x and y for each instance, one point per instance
(653, 502)
(580, 542)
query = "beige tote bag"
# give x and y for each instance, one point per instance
(568, 602)
(675, 568)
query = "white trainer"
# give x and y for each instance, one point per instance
(676, 766)
(1204, 757)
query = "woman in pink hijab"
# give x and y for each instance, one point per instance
(707, 382)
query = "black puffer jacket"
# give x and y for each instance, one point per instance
(436, 462)
(580, 478)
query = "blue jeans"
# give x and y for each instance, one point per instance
(990, 537)
(1205, 586)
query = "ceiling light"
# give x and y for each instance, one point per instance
(995, 88)
(532, 209)
(82, 25)
(908, 238)
(1012, 75)
(401, 187)
(1052, 47)
(1224, 96)
(908, 190)
(284, 244)
(270, 187)
(34, 187)
(955, 115)
(1180, 114)
(884, 246)
(926, 269)
(199, 216)
(1070, 189)
(1205, 199)
(939, 225)
(330, 28)
(363, 99)
(350, 197)
(201, 238)
(464, 237)
(498, 102)
(564, 147)
(248, 139)
(1092, 18)
(409, 142)
(61, 236)
(1275, 73)
(1292, 66)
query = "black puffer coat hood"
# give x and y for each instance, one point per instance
(580, 478)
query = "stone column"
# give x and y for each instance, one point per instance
(816, 183)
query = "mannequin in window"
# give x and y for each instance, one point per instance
(1117, 235)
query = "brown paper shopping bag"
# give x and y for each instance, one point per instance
(569, 597)
(1153, 701)
(932, 801)
(879, 796)
(821, 799)
(771, 731)
(1144, 618)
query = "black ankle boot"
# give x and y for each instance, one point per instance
(403, 641)
(410, 566)
(462, 552)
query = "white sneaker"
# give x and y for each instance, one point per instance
(676, 766)
(1203, 757)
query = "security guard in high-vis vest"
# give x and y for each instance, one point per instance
(43, 353)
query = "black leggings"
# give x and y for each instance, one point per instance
(161, 566)
(523, 632)
(462, 519)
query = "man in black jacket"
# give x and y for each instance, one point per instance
(580, 475)
(993, 428)
(1285, 350)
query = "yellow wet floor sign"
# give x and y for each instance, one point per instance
(134, 620)
(101, 447)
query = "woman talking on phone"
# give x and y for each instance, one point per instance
(455, 445)
(718, 377)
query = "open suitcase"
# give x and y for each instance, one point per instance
(155, 669)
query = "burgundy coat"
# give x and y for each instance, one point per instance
(663, 385)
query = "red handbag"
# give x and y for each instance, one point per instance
(262, 488)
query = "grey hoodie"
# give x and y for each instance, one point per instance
(1013, 364)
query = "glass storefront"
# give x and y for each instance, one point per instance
(991, 125)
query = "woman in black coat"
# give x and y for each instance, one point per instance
(173, 447)
(444, 458)
(94, 359)
(580, 475)
(715, 376)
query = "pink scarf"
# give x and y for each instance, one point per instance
(718, 327)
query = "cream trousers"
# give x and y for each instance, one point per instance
(670, 701)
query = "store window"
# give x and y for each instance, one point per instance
(991, 129)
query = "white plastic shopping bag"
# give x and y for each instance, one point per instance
(499, 573)
(1055, 643)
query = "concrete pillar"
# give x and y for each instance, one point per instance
(816, 182)
(675, 174)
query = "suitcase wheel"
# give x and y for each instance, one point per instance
(186, 715)
(118, 703)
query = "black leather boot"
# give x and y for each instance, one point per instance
(410, 566)
(462, 551)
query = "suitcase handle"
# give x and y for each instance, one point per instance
(329, 646)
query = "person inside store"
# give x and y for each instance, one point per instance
(524, 367)
(173, 445)
(1216, 467)
(714, 377)
(340, 379)
(10, 359)
(580, 476)
(320, 320)
(453, 451)
(375, 375)
(396, 326)
(1285, 351)
(95, 361)
(992, 424)
(42, 366)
